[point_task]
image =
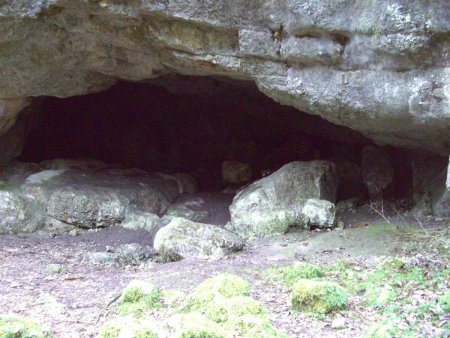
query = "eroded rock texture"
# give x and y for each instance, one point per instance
(85, 194)
(379, 67)
(300, 194)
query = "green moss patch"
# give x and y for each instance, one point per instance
(19, 327)
(291, 274)
(222, 286)
(194, 325)
(254, 326)
(221, 309)
(129, 327)
(225, 300)
(444, 302)
(319, 297)
(218, 307)
(139, 297)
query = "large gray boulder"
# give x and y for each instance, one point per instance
(87, 207)
(182, 238)
(273, 204)
(17, 214)
(87, 194)
(379, 67)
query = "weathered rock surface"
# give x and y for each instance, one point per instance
(87, 198)
(379, 67)
(319, 213)
(182, 238)
(16, 215)
(273, 204)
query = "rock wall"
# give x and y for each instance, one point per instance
(379, 67)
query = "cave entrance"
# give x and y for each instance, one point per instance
(188, 124)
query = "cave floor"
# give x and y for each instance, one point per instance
(76, 301)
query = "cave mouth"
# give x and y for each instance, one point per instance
(192, 125)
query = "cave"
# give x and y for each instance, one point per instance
(192, 125)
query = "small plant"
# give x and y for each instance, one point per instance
(195, 325)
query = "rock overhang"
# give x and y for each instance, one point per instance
(379, 68)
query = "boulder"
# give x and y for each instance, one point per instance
(182, 238)
(101, 198)
(87, 207)
(377, 171)
(16, 214)
(319, 213)
(273, 204)
(236, 172)
(88, 195)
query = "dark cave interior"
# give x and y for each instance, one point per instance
(193, 124)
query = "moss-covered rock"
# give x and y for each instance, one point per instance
(182, 238)
(293, 273)
(222, 309)
(253, 326)
(225, 300)
(223, 286)
(139, 297)
(297, 195)
(318, 296)
(130, 327)
(194, 325)
(19, 327)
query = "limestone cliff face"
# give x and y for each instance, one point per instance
(378, 66)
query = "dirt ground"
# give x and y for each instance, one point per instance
(74, 303)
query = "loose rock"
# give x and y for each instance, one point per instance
(182, 238)
(273, 204)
